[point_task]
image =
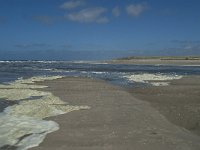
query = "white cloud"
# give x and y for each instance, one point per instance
(72, 4)
(116, 11)
(102, 20)
(89, 15)
(136, 9)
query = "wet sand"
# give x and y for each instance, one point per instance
(179, 102)
(155, 62)
(116, 121)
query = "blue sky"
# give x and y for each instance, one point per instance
(98, 29)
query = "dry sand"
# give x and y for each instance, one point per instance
(116, 120)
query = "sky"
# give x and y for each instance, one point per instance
(98, 29)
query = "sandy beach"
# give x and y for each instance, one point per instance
(120, 119)
(156, 62)
(99, 75)
(178, 102)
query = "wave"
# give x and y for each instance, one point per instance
(99, 72)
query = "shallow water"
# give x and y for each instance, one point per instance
(11, 70)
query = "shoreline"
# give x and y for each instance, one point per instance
(116, 120)
(156, 62)
(22, 126)
(138, 61)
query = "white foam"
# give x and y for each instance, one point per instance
(27, 117)
(12, 61)
(98, 63)
(44, 69)
(13, 128)
(37, 79)
(17, 93)
(48, 105)
(153, 79)
(28, 83)
(160, 83)
(84, 72)
(62, 70)
(45, 62)
(95, 72)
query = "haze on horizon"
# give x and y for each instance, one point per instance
(98, 29)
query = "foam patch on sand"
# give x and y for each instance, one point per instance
(29, 83)
(160, 83)
(22, 125)
(19, 94)
(153, 79)
(13, 129)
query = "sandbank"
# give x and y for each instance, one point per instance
(116, 120)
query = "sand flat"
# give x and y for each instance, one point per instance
(179, 102)
(156, 62)
(116, 121)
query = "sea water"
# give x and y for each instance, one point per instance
(23, 108)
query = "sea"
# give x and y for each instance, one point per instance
(23, 108)
(113, 73)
